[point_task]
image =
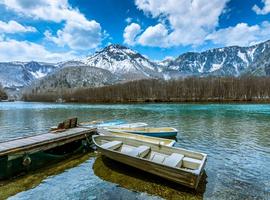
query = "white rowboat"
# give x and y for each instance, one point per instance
(131, 125)
(179, 165)
(154, 140)
(149, 131)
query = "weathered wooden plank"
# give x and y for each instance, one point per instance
(22, 142)
(43, 139)
(14, 144)
(31, 140)
(19, 142)
(48, 136)
(2, 148)
(8, 146)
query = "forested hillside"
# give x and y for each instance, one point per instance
(192, 89)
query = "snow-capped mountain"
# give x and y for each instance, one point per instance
(227, 61)
(124, 62)
(14, 75)
(117, 63)
(74, 77)
(39, 70)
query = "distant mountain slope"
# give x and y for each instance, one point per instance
(117, 63)
(70, 63)
(14, 75)
(227, 61)
(74, 77)
(124, 62)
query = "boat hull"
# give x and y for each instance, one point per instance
(164, 132)
(126, 151)
(155, 134)
(187, 179)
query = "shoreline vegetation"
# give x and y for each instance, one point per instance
(3, 94)
(187, 90)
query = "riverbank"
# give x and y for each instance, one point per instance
(156, 101)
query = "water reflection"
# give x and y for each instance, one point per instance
(80, 183)
(138, 180)
(236, 138)
(30, 180)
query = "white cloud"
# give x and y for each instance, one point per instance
(154, 36)
(50, 10)
(78, 36)
(130, 33)
(78, 32)
(13, 50)
(186, 22)
(242, 34)
(14, 27)
(262, 11)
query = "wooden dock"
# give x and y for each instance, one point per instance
(44, 141)
(30, 153)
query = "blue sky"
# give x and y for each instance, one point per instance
(48, 30)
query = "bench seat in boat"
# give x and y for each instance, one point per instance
(158, 158)
(191, 163)
(140, 151)
(174, 160)
(112, 145)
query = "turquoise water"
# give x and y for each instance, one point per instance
(236, 138)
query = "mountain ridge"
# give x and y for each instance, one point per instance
(225, 61)
(123, 61)
(125, 64)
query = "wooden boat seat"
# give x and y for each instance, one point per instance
(140, 151)
(174, 160)
(158, 158)
(191, 163)
(112, 145)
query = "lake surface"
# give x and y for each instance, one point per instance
(236, 138)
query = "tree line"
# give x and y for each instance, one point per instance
(3, 94)
(191, 89)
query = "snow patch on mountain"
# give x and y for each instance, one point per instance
(251, 52)
(38, 74)
(215, 67)
(124, 62)
(242, 56)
